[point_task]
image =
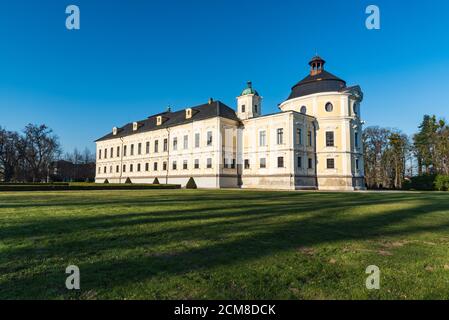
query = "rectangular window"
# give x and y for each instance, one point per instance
(298, 136)
(112, 153)
(330, 163)
(233, 164)
(310, 163)
(357, 164)
(280, 136)
(175, 144)
(105, 153)
(124, 151)
(243, 108)
(124, 168)
(110, 169)
(165, 145)
(209, 138)
(99, 170)
(104, 170)
(132, 150)
(262, 163)
(138, 167)
(262, 138)
(299, 162)
(156, 146)
(309, 138)
(209, 163)
(99, 154)
(186, 142)
(118, 152)
(356, 139)
(197, 163)
(164, 166)
(280, 162)
(184, 165)
(197, 140)
(147, 149)
(246, 163)
(139, 149)
(174, 166)
(155, 166)
(117, 169)
(131, 168)
(329, 138)
(147, 166)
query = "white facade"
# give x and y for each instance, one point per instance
(314, 142)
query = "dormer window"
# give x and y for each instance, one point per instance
(159, 120)
(135, 126)
(243, 108)
(188, 113)
(114, 131)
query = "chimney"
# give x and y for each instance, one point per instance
(211, 100)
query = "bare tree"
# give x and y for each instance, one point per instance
(9, 154)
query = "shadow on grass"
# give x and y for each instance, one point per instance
(257, 226)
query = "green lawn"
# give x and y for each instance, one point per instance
(181, 244)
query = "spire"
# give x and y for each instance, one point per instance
(316, 65)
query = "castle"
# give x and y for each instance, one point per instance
(313, 142)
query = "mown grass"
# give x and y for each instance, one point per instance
(223, 244)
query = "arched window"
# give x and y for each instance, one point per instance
(303, 109)
(329, 107)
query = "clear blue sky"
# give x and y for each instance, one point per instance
(133, 58)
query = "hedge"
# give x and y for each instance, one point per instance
(442, 183)
(85, 186)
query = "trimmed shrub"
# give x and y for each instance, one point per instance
(424, 183)
(191, 184)
(442, 183)
(128, 181)
(106, 181)
(156, 181)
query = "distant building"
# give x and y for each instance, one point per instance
(314, 142)
(67, 171)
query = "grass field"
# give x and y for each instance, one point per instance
(181, 244)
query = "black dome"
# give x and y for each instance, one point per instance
(317, 81)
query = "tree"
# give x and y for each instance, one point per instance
(39, 148)
(9, 154)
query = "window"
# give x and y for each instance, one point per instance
(233, 164)
(356, 139)
(175, 144)
(104, 170)
(303, 110)
(165, 145)
(209, 163)
(186, 142)
(124, 168)
(155, 166)
(117, 169)
(156, 146)
(262, 163)
(262, 138)
(309, 138)
(105, 153)
(112, 153)
(147, 166)
(138, 167)
(99, 170)
(299, 162)
(280, 136)
(356, 108)
(147, 149)
(184, 165)
(298, 136)
(330, 163)
(132, 150)
(131, 168)
(280, 162)
(174, 165)
(357, 164)
(329, 107)
(310, 164)
(124, 151)
(110, 169)
(209, 138)
(197, 140)
(139, 148)
(246, 163)
(243, 108)
(197, 163)
(99, 154)
(164, 166)
(329, 138)
(255, 108)
(118, 152)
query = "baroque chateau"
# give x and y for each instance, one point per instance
(313, 142)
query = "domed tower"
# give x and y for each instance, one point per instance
(249, 103)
